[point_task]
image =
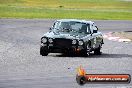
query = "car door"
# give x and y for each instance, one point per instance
(95, 36)
(92, 37)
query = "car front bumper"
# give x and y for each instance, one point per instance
(61, 49)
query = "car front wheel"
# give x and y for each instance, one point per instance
(87, 50)
(43, 52)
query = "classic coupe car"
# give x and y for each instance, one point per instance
(71, 36)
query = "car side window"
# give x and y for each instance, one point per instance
(94, 27)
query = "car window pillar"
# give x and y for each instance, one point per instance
(88, 29)
(91, 28)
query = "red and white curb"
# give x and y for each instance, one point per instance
(109, 36)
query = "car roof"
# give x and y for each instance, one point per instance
(83, 21)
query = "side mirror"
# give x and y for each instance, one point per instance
(94, 31)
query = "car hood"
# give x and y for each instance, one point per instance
(65, 35)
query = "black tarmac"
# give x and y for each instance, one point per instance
(21, 65)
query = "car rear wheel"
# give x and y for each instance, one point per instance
(43, 52)
(98, 50)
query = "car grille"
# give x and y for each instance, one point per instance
(62, 43)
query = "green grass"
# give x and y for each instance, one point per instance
(81, 9)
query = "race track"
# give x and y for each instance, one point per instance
(21, 65)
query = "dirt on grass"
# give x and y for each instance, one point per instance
(124, 35)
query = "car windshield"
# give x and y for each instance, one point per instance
(71, 26)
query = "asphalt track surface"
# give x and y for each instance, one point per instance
(21, 65)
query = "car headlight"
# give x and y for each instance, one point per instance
(44, 40)
(80, 42)
(74, 41)
(50, 40)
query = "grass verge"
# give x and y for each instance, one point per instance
(80, 9)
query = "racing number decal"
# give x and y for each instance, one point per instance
(94, 40)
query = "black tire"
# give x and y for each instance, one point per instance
(98, 50)
(81, 80)
(68, 53)
(43, 52)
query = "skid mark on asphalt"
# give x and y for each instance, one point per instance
(109, 36)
